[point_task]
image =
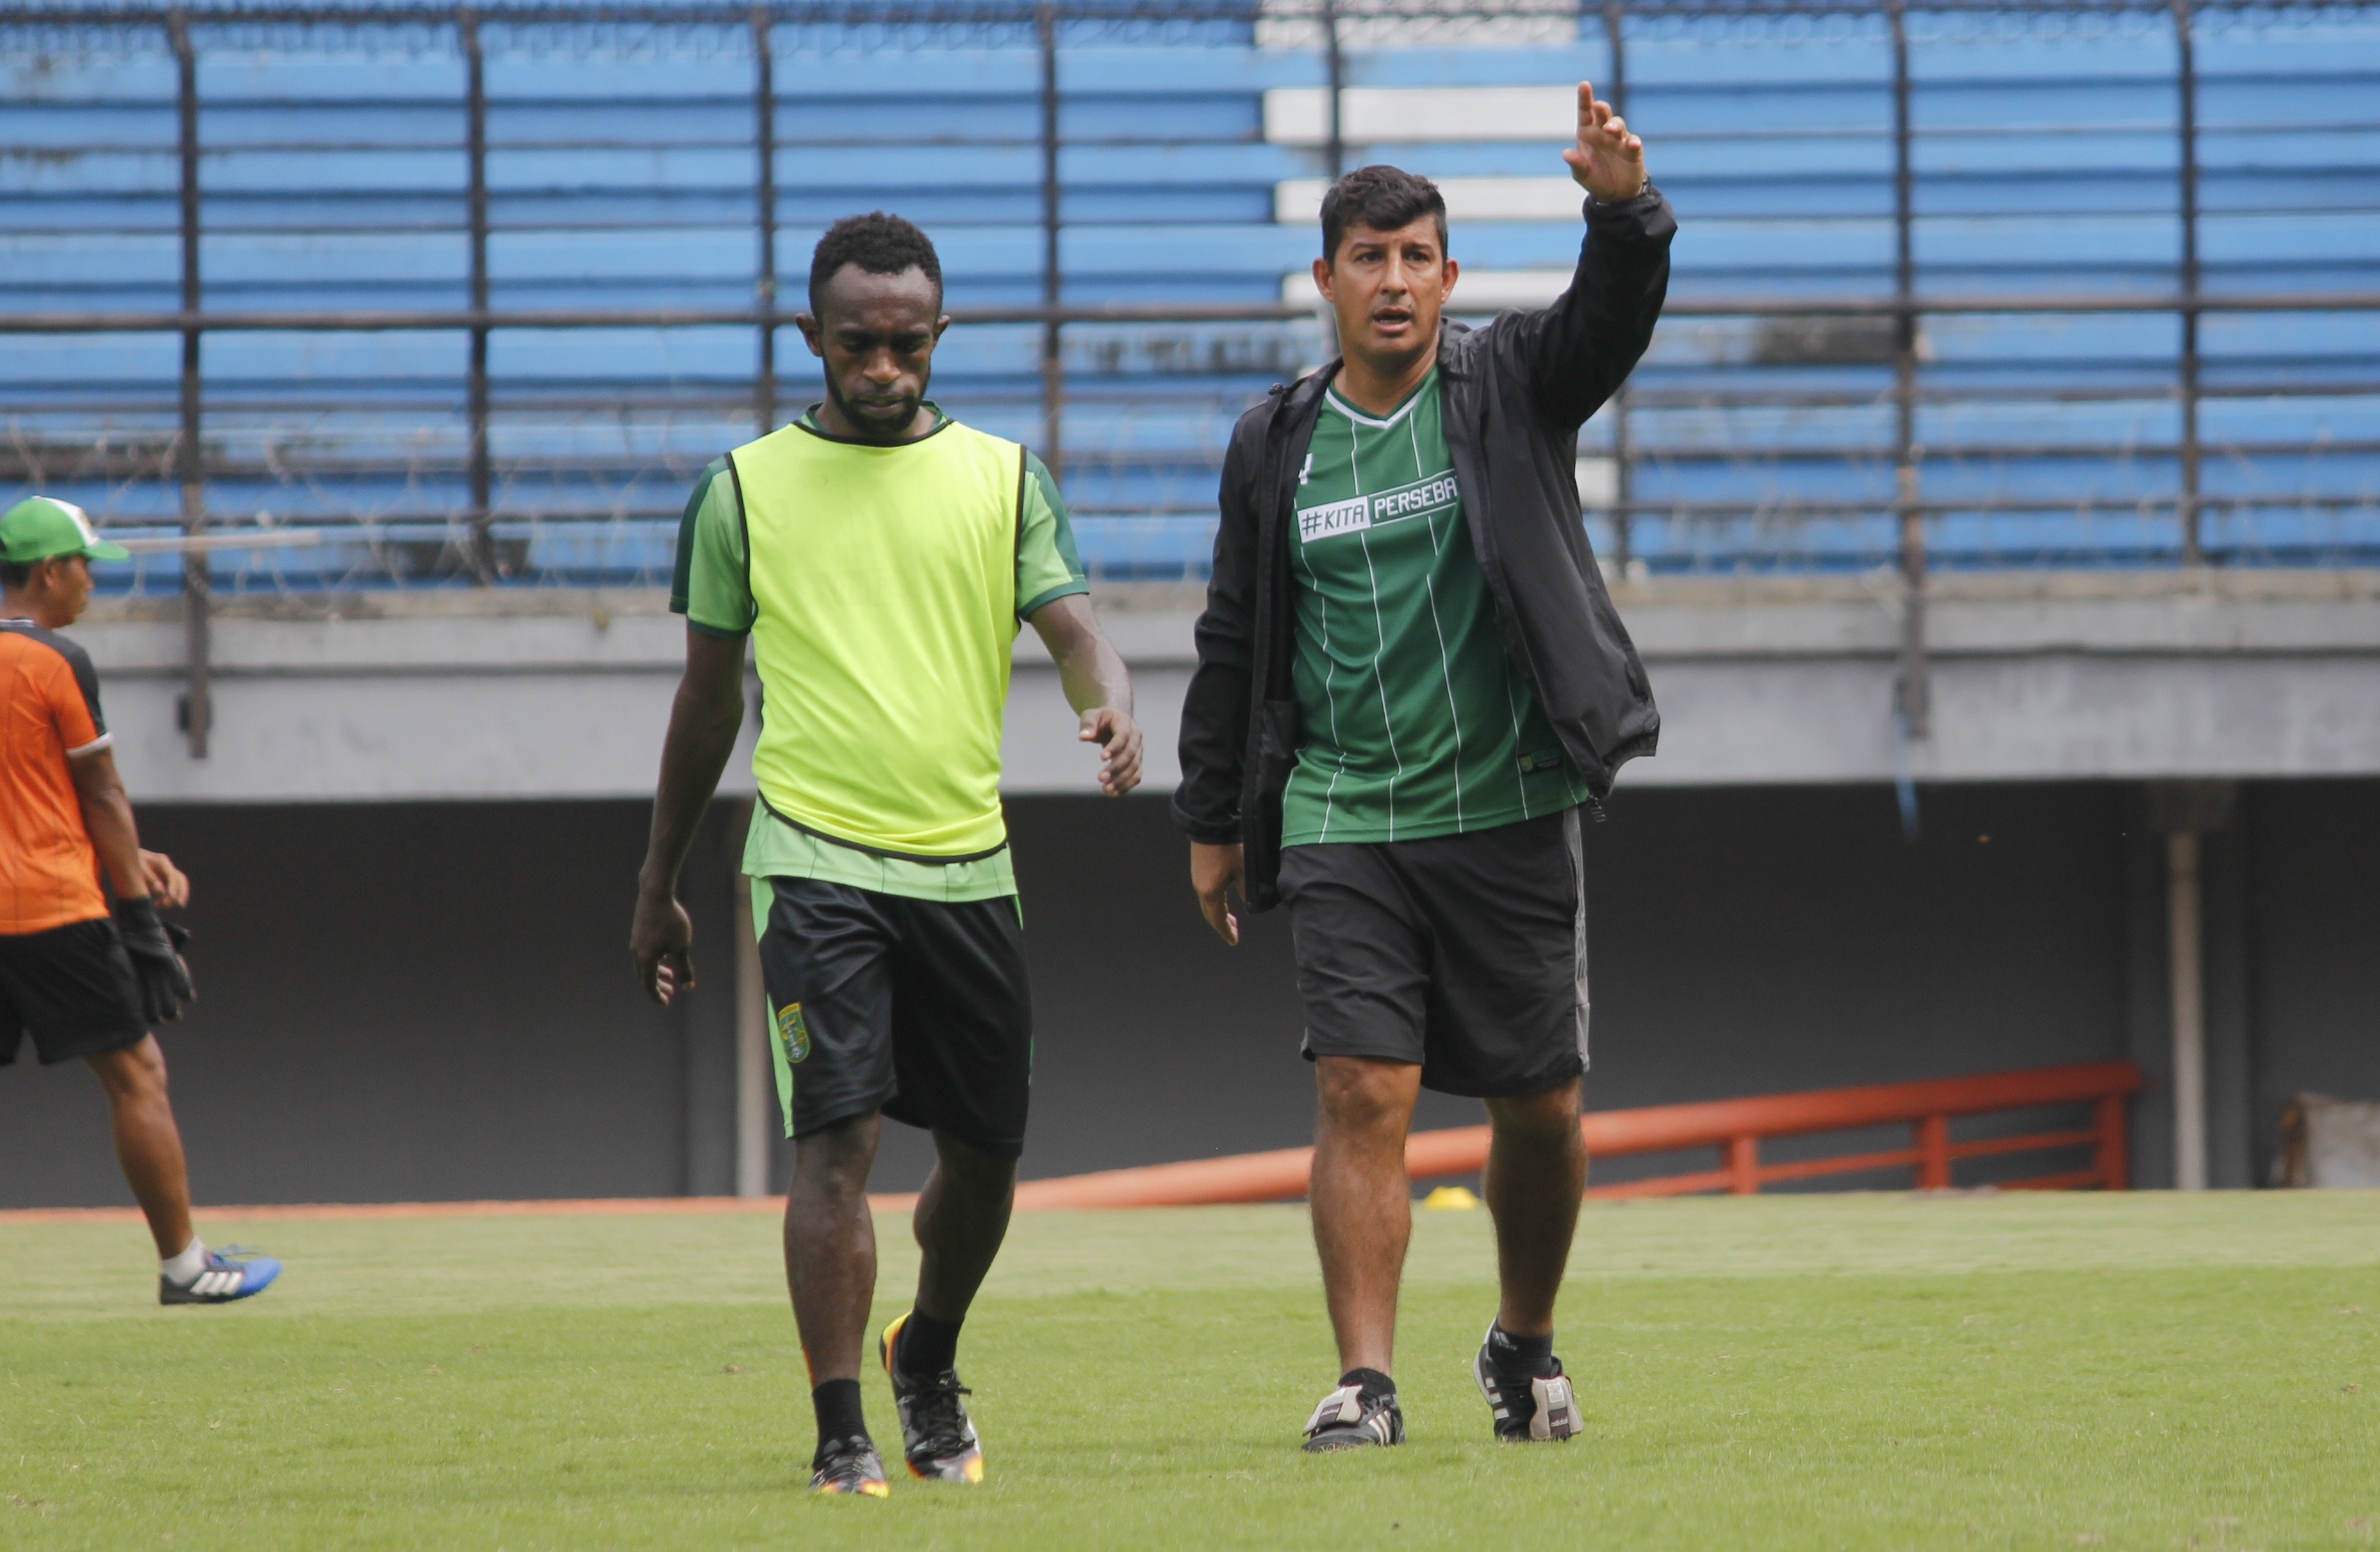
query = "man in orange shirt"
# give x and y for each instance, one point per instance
(83, 980)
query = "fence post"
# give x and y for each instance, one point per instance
(764, 100)
(1054, 361)
(189, 453)
(1334, 72)
(2185, 949)
(483, 556)
(1913, 695)
(2193, 541)
(1934, 1153)
(2107, 1119)
(1623, 514)
(1743, 1165)
(754, 1081)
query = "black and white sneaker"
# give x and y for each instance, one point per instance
(936, 1437)
(1526, 1406)
(1351, 1418)
(849, 1467)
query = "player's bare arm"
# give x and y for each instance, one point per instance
(165, 988)
(704, 719)
(1097, 686)
(107, 814)
(1609, 160)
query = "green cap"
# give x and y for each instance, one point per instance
(40, 527)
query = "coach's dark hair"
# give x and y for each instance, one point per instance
(877, 243)
(1381, 197)
(16, 574)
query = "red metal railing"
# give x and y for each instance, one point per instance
(1736, 1127)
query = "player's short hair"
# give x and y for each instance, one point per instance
(879, 244)
(1383, 199)
(16, 574)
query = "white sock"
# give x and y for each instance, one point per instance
(186, 1268)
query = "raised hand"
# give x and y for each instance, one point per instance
(1608, 162)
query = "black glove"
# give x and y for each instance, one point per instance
(164, 980)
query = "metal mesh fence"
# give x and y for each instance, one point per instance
(469, 296)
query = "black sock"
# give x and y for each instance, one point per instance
(1531, 1355)
(928, 1346)
(1372, 1382)
(839, 1418)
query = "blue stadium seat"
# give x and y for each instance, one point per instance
(620, 176)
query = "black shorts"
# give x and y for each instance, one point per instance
(72, 987)
(1464, 953)
(917, 1008)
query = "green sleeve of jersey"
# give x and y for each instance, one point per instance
(711, 586)
(1048, 565)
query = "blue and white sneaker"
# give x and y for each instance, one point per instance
(223, 1280)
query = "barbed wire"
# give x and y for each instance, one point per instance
(29, 39)
(1716, 479)
(727, 13)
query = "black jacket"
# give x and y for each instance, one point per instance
(1514, 395)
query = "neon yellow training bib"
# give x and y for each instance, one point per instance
(884, 586)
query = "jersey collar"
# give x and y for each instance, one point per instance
(809, 422)
(1330, 395)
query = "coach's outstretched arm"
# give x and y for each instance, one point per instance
(1097, 686)
(704, 719)
(1583, 346)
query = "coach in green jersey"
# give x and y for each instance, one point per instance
(1411, 681)
(877, 555)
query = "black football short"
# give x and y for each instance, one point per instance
(917, 1008)
(72, 990)
(1463, 953)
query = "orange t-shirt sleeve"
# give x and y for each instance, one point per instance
(72, 690)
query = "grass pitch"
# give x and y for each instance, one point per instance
(2149, 1371)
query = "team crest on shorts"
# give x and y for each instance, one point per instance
(792, 1033)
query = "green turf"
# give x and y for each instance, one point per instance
(2149, 1370)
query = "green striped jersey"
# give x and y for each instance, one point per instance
(1416, 721)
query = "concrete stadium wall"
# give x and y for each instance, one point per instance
(479, 695)
(432, 1001)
